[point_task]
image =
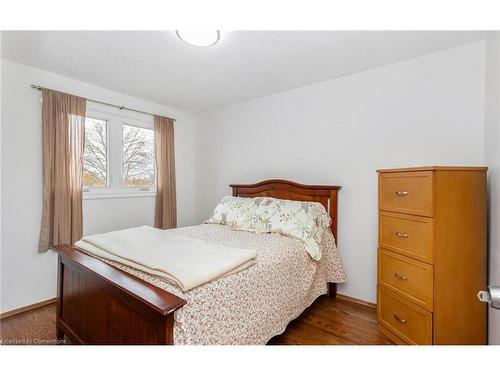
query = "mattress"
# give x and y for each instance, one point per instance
(251, 306)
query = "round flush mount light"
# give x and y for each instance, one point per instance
(199, 38)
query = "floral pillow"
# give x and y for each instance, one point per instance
(235, 212)
(305, 221)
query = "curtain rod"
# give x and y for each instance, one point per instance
(39, 88)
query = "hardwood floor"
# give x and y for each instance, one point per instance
(32, 327)
(327, 321)
(331, 321)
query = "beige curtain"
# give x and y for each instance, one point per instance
(63, 121)
(166, 206)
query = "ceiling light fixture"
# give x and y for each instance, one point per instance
(199, 38)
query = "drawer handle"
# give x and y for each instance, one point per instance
(400, 320)
(401, 234)
(401, 193)
(400, 277)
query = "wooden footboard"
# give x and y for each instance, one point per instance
(99, 304)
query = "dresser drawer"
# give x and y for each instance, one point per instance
(408, 277)
(408, 321)
(407, 192)
(408, 235)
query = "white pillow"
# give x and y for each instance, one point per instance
(235, 212)
(305, 221)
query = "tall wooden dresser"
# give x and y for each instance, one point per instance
(432, 255)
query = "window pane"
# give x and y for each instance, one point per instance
(95, 164)
(138, 158)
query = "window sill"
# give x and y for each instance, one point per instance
(116, 195)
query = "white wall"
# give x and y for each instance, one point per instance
(492, 155)
(28, 277)
(424, 111)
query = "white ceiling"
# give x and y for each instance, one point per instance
(157, 66)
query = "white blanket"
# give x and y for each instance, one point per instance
(184, 261)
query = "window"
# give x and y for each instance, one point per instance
(95, 155)
(138, 158)
(119, 157)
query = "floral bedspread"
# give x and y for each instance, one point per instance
(251, 306)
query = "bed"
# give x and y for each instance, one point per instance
(105, 302)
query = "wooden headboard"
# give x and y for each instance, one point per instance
(282, 189)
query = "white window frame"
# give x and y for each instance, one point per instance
(115, 120)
